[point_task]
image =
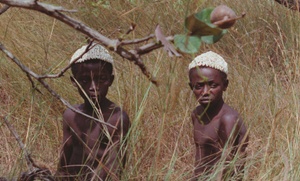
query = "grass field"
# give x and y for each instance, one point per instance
(262, 50)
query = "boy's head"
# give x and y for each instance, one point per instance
(208, 78)
(92, 72)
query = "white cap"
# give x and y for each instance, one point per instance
(210, 59)
(96, 51)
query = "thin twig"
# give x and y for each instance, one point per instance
(28, 159)
(131, 28)
(151, 46)
(136, 41)
(61, 73)
(32, 83)
(55, 12)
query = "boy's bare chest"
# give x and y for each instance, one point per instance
(86, 125)
(90, 132)
(207, 133)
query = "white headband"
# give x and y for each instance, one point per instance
(210, 59)
(96, 52)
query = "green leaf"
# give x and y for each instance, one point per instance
(213, 38)
(204, 15)
(187, 44)
(199, 24)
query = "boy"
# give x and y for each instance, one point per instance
(92, 150)
(219, 132)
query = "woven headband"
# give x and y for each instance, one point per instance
(210, 59)
(96, 52)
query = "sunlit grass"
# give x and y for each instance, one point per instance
(263, 55)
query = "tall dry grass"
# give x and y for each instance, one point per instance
(263, 55)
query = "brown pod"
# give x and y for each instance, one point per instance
(223, 16)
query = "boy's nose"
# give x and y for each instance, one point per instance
(93, 86)
(206, 90)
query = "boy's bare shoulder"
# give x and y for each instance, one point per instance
(119, 117)
(69, 114)
(230, 115)
(198, 110)
(119, 112)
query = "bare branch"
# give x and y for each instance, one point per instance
(34, 170)
(136, 41)
(150, 47)
(61, 73)
(21, 144)
(142, 66)
(37, 77)
(32, 83)
(32, 4)
(53, 11)
(131, 28)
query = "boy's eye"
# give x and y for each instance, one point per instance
(213, 85)
(84, 80)
(103, 78)
(198, 86)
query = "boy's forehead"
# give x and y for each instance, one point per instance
(204, 72)
(92, 64)
(202, 69)
(95, 67)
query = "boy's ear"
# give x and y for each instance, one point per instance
(191, 86)
(73, 81)
(226, 84)
(112, 77)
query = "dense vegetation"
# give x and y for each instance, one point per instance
(262, 50)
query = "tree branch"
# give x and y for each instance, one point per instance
(112, 44)
(136, 41)
(34, 170)
(37, 77)
(28, 159)
(61, 73)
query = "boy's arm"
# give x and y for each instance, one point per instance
(235, 139)
(199, 165)
(243, 137)
(233, 132)
(115, 153)
(243, 140)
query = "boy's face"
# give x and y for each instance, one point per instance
(94, 79)
(208, 85)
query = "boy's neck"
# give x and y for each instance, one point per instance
(102, 105)
(213, 110)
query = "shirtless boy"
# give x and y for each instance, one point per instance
(219, 132)
(93, 150)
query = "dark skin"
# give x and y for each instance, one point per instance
(91, 150)
(217, 126)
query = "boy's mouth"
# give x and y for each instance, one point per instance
(205, 100)
(94, 96)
